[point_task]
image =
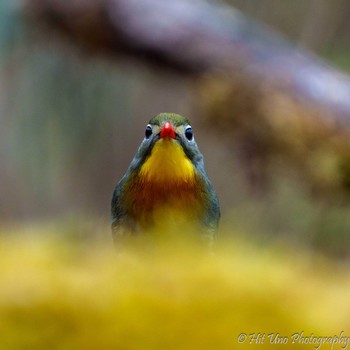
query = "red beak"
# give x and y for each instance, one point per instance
(167, 131)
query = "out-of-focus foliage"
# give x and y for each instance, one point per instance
(273, 125)
(294, 160)
(162, 294)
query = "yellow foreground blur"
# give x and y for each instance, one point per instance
(59, 294)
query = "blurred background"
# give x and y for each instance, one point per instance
(71, 122)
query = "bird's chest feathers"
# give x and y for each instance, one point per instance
(167, 181)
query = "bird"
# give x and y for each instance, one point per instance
(166, 185)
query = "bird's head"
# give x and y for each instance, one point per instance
(169, 151)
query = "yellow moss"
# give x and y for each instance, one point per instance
(56, 294)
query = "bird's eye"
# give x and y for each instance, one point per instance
(148, 131)
(189, 133)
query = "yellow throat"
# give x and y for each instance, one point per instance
(168, 163)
